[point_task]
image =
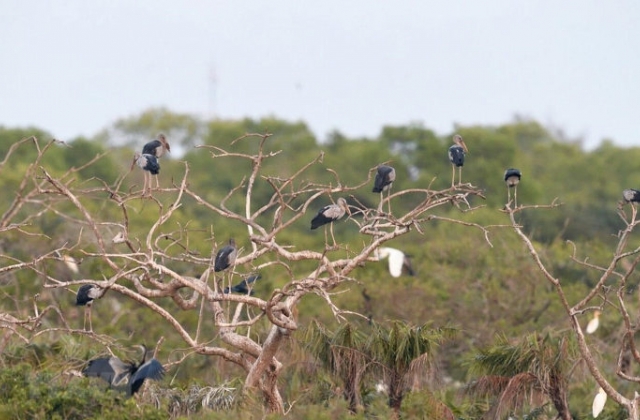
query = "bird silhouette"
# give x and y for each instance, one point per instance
(116, 372)
(456, 156)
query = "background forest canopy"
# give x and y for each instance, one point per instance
(461, 281)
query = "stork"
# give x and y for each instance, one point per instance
(116, 372)
(243, 287)
(329, 214)
(226, 256)
(87, 293)
(456, 156)
(383, 181)
(157, 148)
(149, 163)
(512, 178)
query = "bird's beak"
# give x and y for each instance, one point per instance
(464, 146)
(348, 210)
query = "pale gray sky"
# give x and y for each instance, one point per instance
(74, 67)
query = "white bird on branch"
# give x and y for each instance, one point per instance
(594, 323)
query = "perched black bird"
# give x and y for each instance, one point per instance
(456, 156)
(85, 296)
(115, 371)
(631, 196)
(149, 163)
(384, 178)
(329, 214)
(226, 256)
(157, 147)
(87, 293)
(512, 178)
(243, 286)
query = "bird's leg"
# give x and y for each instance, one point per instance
(146, 182)
(335, 245)
(453, 175)
(157, 182)
(87, 314)
(515, 196)
(380, 205)
(389, 198)
(459, 175)
(508, 196)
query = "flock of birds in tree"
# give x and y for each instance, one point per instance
(116, 372)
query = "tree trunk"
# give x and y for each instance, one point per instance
(558, 397)
(396, 393)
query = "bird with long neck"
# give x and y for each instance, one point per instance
(512, 179)
(328, 214)
(157, 148)
(456, 156)
(385, 175)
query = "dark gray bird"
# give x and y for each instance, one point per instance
(149, 163)
(456, 156)
(87, 293)
(384, 178)
(116, 372)
(329, 214)
(512, 178)
(243, 287)
(631, 196)
(157, 147)
(226, 256)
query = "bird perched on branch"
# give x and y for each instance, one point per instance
(631, 196)
(512, 178)
(383, 181)
(456, 156)
(157, 148)
(594, 323)
(85, 296)
(398, 261)
(598, 403)
(243, 287)
(329, 214)
(226, 256)
(116, 372)
(149, 163)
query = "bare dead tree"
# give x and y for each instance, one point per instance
(609, 294)
(142, 268)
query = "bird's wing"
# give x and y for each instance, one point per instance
(112, 370)
(222, 258)
(333, 212)
(150, 148)
(408, 266)
(152, 369)
(396, 261)
(598, 403)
